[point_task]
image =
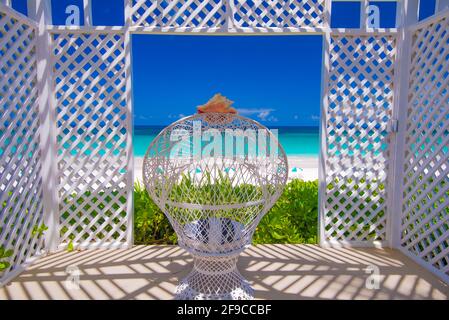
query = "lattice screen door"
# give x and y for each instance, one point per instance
(356, 137)
(424, 223)
(21, 185)
(94, 125)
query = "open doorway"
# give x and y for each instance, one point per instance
(275, 80)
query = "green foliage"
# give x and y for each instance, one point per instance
(293, 219)
(371, 191)
(80, 208)
(150, 224)
(70, 246)
(4, 257)
(39, 230)
(220, 191)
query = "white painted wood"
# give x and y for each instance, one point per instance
(130, 123)
(323, 123)
(442, 275)
(364, 14)
(429, 20)
(359, 110)
(400, 13)
(424, 218)
(225, 18)
(10, 276)
(96, 245)
(21, 184)
(40, 10)
(17, 15)
(229, 21)
(364, 0)
(178, 13)
(94, 130)
(6, 3)
(407, 16)
(227, 14)
(231, 31)
(277, 14)
(440, 5)
(353, 244)
(253, 31)
(85, 30)
(87, 8)
(365, 32)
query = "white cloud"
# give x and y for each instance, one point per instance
(261, 113)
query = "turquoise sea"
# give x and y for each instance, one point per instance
(297, 141)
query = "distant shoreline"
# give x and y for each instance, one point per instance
(300, 167)
(296, 141)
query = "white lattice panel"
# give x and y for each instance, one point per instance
(179, 13)
(20, 167)
(278, 14)
(93, 127)
(425, 216)
(218, 14)
(360, 102)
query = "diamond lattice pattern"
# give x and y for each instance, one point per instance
(93, 122)
(215, 13)
(360, 99)
(425, 217)
(280, 14)
(21, 209)
(179, 13)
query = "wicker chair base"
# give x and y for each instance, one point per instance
(214, 279)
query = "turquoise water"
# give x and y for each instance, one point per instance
(297, 141)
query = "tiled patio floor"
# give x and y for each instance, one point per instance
(276, 272)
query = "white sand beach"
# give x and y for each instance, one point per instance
(305, 168)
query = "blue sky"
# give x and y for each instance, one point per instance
(273, 79)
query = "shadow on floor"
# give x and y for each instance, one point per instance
(275, 271)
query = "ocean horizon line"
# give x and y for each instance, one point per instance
(302, 141)
(268, 126)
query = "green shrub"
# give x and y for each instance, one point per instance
(293, 219)
(82, 209)
(150, 224)
(4, 258)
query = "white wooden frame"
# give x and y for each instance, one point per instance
(410, 242)
(94, 178)
(407, 14)
(22, 181)
(363, 31)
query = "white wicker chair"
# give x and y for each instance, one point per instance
(214, 201)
